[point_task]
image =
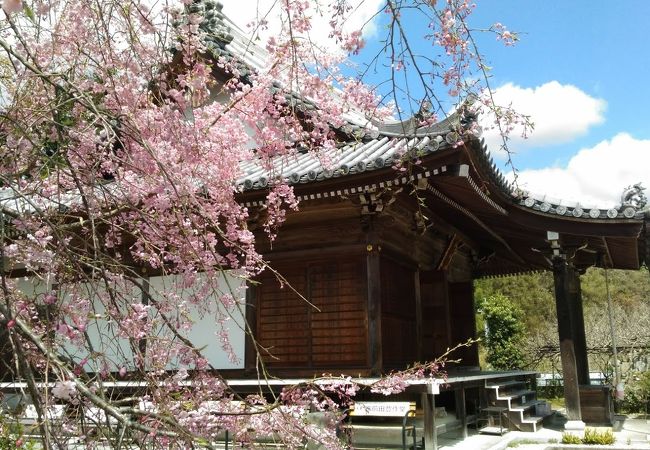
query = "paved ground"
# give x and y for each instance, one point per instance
(630, 433)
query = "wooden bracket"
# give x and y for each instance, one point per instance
(448, 253)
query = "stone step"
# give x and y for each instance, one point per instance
(493, 430)
(505, 384)
(516, 394)
(526, 406)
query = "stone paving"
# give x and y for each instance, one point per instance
(630, 432)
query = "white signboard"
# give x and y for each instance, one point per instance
(382, 409)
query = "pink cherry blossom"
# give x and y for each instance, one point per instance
(130, 171)
(66, 390)
(12, 6)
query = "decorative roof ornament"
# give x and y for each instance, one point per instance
(469, 113)
(425, 112)
(634, 197)
(217, 33)
(519, 194)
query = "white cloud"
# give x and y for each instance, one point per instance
(243, 12)
(560, 113)
(595, 176)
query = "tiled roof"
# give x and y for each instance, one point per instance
(377, 145)
(545, 204)
(224, 39)
(390, 147)
(353, 158)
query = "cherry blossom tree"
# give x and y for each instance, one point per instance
(116, 161)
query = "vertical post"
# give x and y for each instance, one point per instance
(578, 321)
(145, 299)
(429, 407)
(418, 317)
(567, 350)
(447, 299)
(461, 408)
(373, 276)
(250, 349)
(618, 388)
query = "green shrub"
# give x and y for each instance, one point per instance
(503, 332)
(10, 442)
(637, 393)
(11, 436)
(632, 402)
(594, 436)
(568, 438)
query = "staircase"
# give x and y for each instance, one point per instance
(517, 403)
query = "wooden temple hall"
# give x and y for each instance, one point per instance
(387, 259)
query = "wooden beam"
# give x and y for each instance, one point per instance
(452, 203)
(430, 434)
(443, 226)
(461, 409)
(310, 253)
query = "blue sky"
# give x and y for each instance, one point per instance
(581, 69)
(600, 47)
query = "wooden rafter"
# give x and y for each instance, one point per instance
(476, 220)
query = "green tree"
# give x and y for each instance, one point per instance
(533, 293)
(503, 332)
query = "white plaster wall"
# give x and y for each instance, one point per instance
(115, 351)
(204, 334)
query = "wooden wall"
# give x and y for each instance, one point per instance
(398, 314)
(329, 333)
(462, 316)
(327, 252)
(448, 317)
(436, 337)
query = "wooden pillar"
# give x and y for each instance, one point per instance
(145, 296)
(447, 304)
(565, 331)
(578, 321)
(250, 350)
(418, 317)
(373, 276)
(461, 408)
(430, 434)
